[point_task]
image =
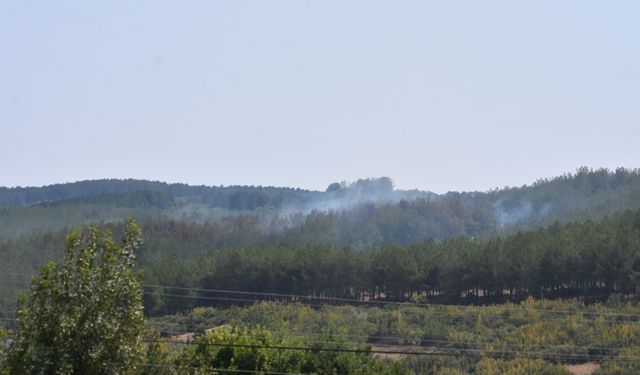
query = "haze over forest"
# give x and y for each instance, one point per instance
(320, 187)
(575, 236)
(584, 194)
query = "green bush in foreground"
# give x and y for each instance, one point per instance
(84, 316)
(258, 350)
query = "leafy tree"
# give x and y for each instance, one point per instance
(256, 350)
(85, 315)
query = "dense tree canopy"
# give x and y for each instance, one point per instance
(366, 212)
(590, 260)
(83, 316)
(217, 247)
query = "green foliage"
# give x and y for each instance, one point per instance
(596, 261)
(366, 213)
(519, 366)
(4, 340)
(112, 190)
(529, 338)
(258, 350)
(159, 356)
(236, 238)
(83, 316)
(593, 260)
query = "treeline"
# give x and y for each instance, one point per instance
(365, 213)
(585, 194)
(587, 260)
(592, 259)
(84, 315)
(232, 197)
(363, 224)
(134, 198)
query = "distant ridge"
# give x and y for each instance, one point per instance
(350, 209)
(20, 196)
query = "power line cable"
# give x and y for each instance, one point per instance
(434, 312)
(377, 302)
(439, 352)
(407, 303)
(401, 338)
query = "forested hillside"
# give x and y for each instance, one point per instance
(588, 259)
(233, 197)
(191, 223)
(215, 254)
(407, 302)
(366, 212)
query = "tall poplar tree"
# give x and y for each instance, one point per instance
(83, 316)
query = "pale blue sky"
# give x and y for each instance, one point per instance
(441, 95)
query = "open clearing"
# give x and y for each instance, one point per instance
(583, 369)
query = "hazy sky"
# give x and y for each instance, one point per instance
(440, 95)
